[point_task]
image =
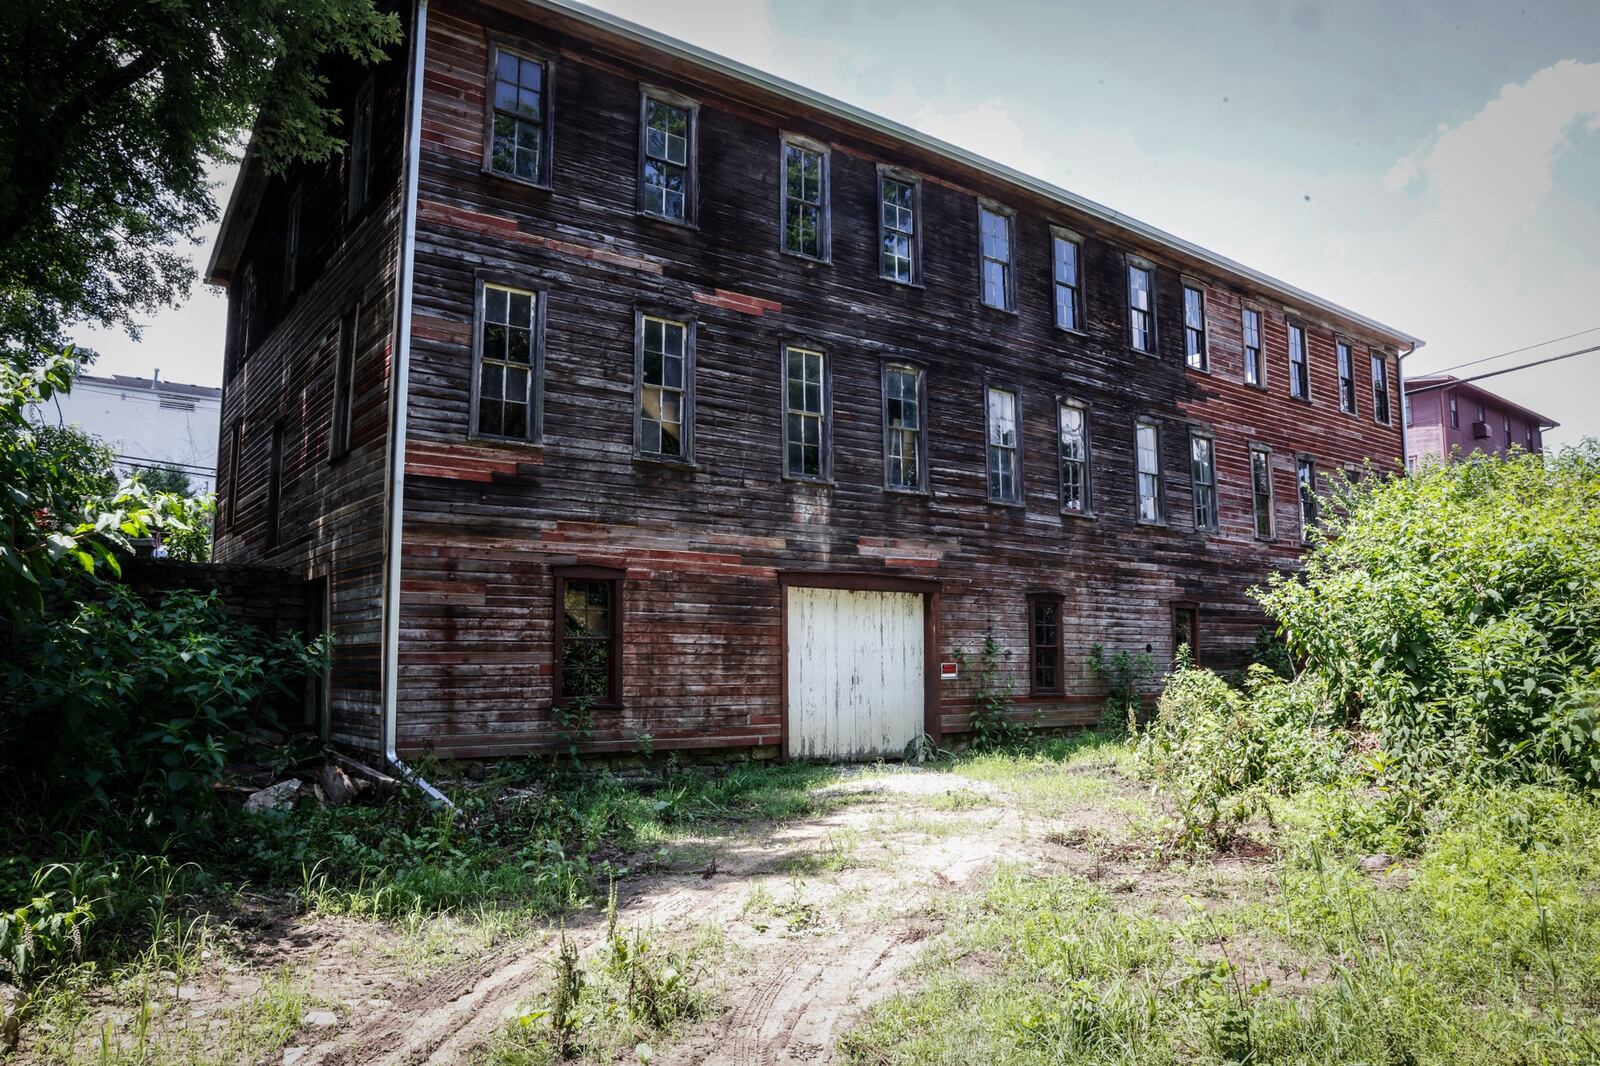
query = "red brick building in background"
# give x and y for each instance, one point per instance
(1445, 416)
(601, 364)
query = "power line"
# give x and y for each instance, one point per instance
(1515, 351)
(1503, 370)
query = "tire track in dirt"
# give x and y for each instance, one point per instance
(801, 990)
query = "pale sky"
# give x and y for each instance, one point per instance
(1434, 164)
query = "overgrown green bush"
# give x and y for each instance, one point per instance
(1220, 752)
(1456, 612)
(135, 708)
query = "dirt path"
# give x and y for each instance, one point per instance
(822, 917)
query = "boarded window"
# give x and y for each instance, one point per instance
(897, 233)
(1044, 624)
(1005, 483)
(517, 145)
(1141, 308)
(665, 363)
(667, 160)
(805, 426)
(805, 201)
(904, 424)
(994, 234)
(1066, 254)
(507, 363)
(1203, 473)
(1194, 328)
(1074, 435)
(1147, 449)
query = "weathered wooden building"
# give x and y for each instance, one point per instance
(602, 366)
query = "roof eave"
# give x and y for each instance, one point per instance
(839, 109)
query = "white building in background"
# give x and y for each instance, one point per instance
(149, 422)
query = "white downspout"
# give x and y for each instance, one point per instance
(1405, 406)
(400, 382)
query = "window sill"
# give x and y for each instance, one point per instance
(898, 284)
(679, 223)
(1071, 331)
(1144, 352)
(526, 183)
(505, 442)
(1082, 516)
(814, 482)
(1206, 370)
(666, 461)
(1259, 386)
(1009, 312)
(924, 493)
(1010, 505)
(1150, 523)
(825, 260)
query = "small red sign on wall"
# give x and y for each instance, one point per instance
(948, 671)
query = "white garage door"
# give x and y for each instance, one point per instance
(855, 673)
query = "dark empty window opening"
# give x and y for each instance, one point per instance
(588, 616)
(1044, 622)
(1186, 630)
(344, 369)
(359, 154)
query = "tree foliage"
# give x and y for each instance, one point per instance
(113, 112)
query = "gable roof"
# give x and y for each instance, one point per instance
(241, 205)
(1441, 382)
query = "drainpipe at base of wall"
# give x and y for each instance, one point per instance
(399, 386)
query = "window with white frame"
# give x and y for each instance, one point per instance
(805, 424)
(1306, 479)
(1380, 388)
(507, 363)
(994, 233)
(1203, 473)
(904, 429)
(666, 363)
(1147, 457)
(1141, 308)
(1261, 489)
(1299, 372)
(1194, 328)
(518, 118)
(666, 177)
(1252, 346)
(1005, 481)
(1067, 256)
(897, 228)
(805, 201)
(1073, 427)
(1455, 413)
(1347, 378)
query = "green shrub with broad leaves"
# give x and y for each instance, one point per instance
(1456, 612)
(1221, 752)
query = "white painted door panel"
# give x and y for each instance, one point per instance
(855, 673)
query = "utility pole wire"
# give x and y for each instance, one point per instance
(1505, 370)
(1514, 351)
